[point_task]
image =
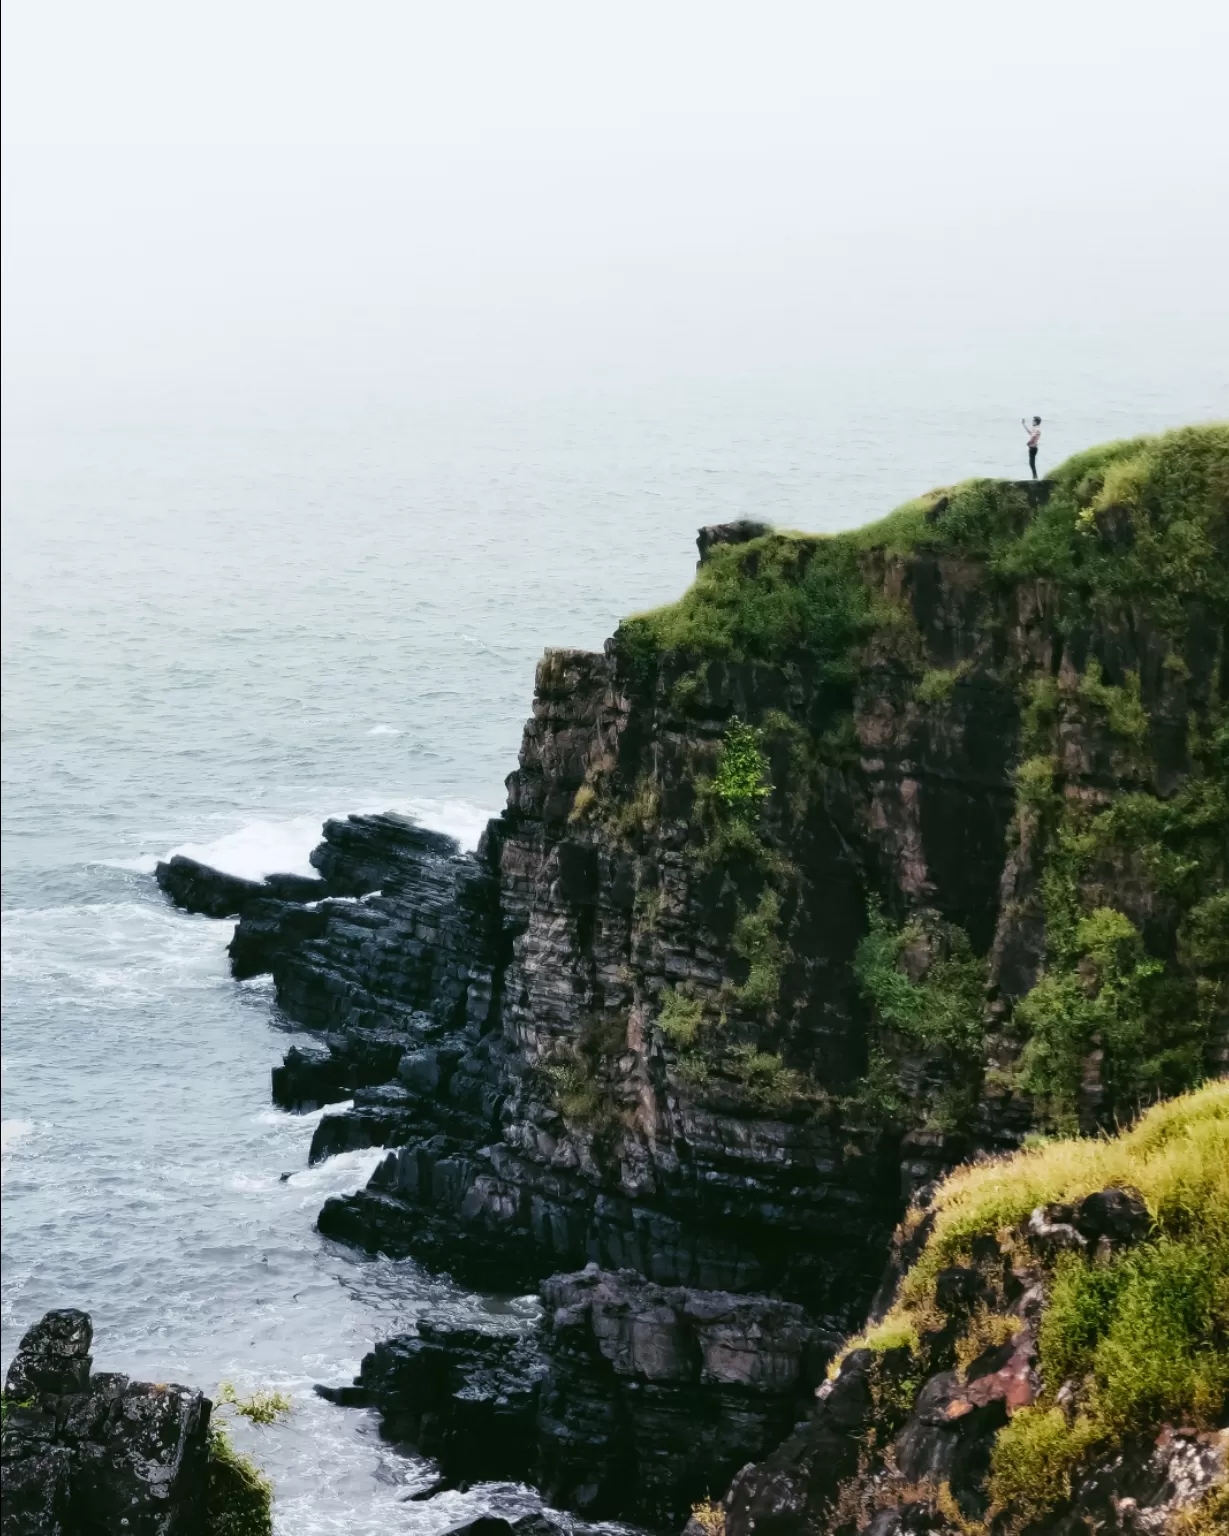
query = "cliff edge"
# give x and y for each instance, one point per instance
(873, 854)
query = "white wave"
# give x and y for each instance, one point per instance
(384, 730)
(145, 864)
(458, 818)
(313, 1117)
(11, 1132)
(261, 848)
(339, 1175)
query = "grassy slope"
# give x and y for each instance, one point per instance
(786, 592)
(1140, 1338)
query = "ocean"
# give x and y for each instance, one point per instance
(217, 634)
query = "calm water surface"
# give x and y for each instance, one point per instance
(215, 638)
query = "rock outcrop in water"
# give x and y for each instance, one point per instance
(623, 1398)
(871, 855)
(91, 1452)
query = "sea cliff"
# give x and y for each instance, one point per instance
(873, 855)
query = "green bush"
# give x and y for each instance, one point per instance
(742, 770)
(756, 940)
(937, 685)
(944, 1008)
(1125, 714)
(1135, 1339)
(777, 595)
(1032, 1462)
(680, 1017)
(1108, 994)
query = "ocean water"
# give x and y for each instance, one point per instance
(216, 636)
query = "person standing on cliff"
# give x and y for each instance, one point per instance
(1034, 442)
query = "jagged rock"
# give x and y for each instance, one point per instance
(740, 532)
(269, 930)
(949, 1437)
(464, 1396)
(361, 854)
(53, 1356)
(624, 1400)
(89, 1453)
(1051, 1231)
(1137, 1491)
(787, 1492)
(199, 888)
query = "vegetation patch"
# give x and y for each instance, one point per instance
(1127, 1340)
(944, 1007)
(757, 941)
(239, 1497)
(938, 683)
(680, 1017)
(777, 595)
(585, 1086)
(740, 782)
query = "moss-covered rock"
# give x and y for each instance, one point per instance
(1059, 1344)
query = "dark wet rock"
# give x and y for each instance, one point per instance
(623, 1400)
(199, 888)
(789, 1491)
(97, 1453)
(1137, 1490)
(53, 1357)
(949, 1438)
(1051, 1231)
(381, 1117)
(1119, 1216)
(361, 854)
(307, 1079)
(464, 1396)
(657, 1395)
(269, 930)
(539, 1522)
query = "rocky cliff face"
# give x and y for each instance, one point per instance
(871, 854)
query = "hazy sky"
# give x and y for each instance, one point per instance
(255, 201)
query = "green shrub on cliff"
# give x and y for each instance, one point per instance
(944, 1005)
(740, 782)
(757, 940)
(239, 1496)
(779, 594)
(1149, 1011)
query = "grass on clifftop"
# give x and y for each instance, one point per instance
(1126, 1342)
(1143, 519)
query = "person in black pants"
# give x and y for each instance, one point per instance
(1034, 442)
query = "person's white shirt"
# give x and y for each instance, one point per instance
(1034, 433)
